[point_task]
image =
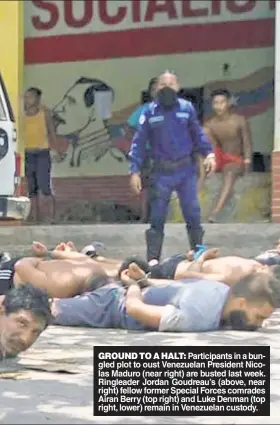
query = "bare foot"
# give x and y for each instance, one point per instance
(61, 247)
(71, 246)
(212, 219)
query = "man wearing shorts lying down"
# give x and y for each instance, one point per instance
(190, 305)
(62, 272)
(228, 269)
(225, 269)
(66, 274)
(69, 272)
(59, 273)
(233, 268)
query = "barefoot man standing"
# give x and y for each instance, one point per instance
(231, 136)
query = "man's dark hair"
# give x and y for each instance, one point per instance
(152, 82)
(258, 287)
(27, 297)
(137, 260)
(35, 90)
(221, 92)
(255, 288)
(237, 320)
(146, 95)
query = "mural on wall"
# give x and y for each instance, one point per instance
(92, 58)
(253, 95)
(83, 129)
(88, 130)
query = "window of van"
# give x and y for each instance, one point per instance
(6, 113)
(3, 116)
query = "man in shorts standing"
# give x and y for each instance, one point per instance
(39, 136)
(230, 134)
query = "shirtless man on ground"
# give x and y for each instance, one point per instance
(208, 266)
(229, 269)
(70, 272)
(62, 273)
(231, 136)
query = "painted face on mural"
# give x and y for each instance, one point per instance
(71, 114)
(82, 106)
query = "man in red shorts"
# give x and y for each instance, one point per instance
(231, 136)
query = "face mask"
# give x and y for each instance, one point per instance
(167, 97)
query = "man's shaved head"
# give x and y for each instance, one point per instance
(168, 79)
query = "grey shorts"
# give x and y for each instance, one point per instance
(38, 172)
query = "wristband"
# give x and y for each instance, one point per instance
(211, 156)
(200, 249)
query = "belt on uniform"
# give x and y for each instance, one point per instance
(166, 165)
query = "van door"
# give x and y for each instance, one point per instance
(7, 143)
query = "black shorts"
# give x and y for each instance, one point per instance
(7, 271)
(38, 172)
(166, 269)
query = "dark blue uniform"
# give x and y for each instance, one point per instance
(175, 138)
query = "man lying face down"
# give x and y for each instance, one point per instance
(60, 273)
(64, 272)
(189, 305)
(24, 314)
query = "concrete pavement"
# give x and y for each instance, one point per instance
(122, 240)
(53, 397)
(63, 393)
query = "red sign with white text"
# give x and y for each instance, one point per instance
(80, 30)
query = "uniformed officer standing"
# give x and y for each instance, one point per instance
(171, 126)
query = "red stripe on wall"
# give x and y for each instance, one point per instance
(151, 41)
(256, 109)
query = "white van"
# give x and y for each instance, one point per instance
(11, 206)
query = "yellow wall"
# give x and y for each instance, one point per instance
(11, 54)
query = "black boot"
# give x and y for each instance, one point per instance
(154, 241)
(195, 235)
